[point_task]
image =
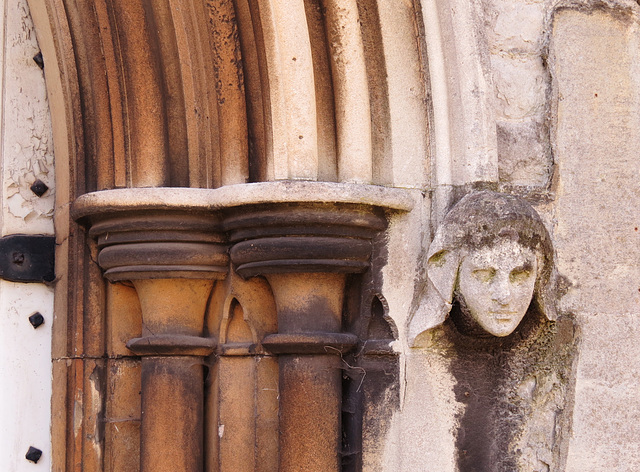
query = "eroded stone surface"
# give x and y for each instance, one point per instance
(517, 32)
(495, 286)
(483, 235)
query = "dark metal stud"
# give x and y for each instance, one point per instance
(36, 319)
(39, 188)
(17, 258)
(33, 454)
(39, 60)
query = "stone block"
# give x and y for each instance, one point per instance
(123, 390)
(524, 152)
(605, 429)
(598, 115)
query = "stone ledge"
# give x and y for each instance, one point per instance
(198, 199)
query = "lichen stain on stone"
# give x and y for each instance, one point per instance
(622, 10)
(540, 442)
(518, 396)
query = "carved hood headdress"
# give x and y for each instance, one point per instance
(478, 220)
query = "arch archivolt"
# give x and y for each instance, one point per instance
(163, 112)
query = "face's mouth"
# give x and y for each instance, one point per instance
(503, 315)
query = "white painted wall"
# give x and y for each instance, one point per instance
(26, 155)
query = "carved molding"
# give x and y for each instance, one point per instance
(205, 94)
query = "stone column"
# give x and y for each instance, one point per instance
(171, 245)
(172, 372)
(305, 251)
(172, 255)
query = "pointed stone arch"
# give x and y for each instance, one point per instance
(164, 95)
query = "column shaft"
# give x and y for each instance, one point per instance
(310, 401)
(172, 414)
(309, 306)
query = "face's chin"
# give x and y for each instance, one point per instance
(498, 324)
(481, 323)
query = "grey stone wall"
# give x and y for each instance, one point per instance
(554, 88)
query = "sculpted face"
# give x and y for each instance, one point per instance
(496, 284)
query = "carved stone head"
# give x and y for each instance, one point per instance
(494, 255)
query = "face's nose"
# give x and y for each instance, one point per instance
(501, 290)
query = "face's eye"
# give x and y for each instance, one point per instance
(484, 275)
(520, 275)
